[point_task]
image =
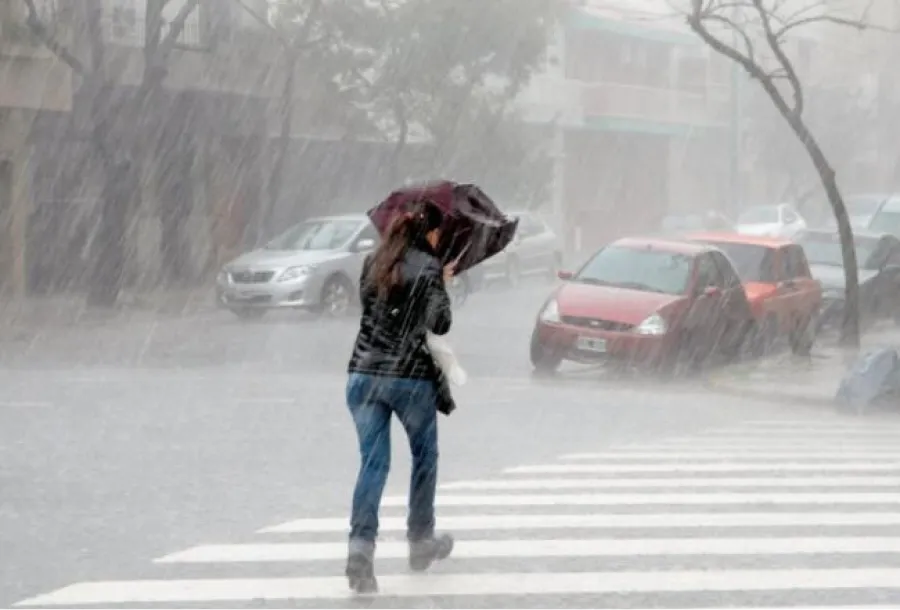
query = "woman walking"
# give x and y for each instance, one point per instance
(403, 295)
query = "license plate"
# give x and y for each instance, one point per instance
(591, 344)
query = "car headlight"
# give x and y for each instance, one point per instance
(653, 325)
(224, 277)
(550, 313)
(293, 273)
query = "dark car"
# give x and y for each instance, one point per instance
(649, 303)
(878, 259)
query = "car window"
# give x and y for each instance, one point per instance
(726, 270)
(825, 249)
(708, 273)
(642, 269)
(528, 226)
(886, 221)
(316, 235)
(369, 232)
(794, 263)
(753, 263)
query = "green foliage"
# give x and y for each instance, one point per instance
(447, 71)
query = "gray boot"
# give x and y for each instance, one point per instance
(361, 567)
(422, 553)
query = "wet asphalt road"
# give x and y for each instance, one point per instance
(127, 442)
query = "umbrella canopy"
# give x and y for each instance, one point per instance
(474, 228)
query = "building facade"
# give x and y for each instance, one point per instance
(642, 116)
(33, 81)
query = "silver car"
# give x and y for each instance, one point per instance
(536, 250)
(314, 265)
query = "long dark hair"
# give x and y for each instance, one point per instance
(404, 231)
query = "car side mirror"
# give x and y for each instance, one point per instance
(565, 275)
(712, 291)
(364, 245)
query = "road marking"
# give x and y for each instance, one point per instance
(477, 584)
(25, 404)
(598, 547)
(611, 521)
(812, 425)
(267, 401)
(842, 433)
(582, 483)
(657, 499)
(778, 467)
(725, 452)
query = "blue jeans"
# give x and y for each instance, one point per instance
(372, 400)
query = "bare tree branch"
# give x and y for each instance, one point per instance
(778, 51)
(38, 28)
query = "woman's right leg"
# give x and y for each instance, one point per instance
(372, 419)
(415, 403)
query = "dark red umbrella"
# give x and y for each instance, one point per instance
(474, 228)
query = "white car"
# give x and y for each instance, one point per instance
(780, 220)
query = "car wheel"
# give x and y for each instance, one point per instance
(513, 272)
(803, 336)
(248, 313)
(545, 362)
(337, 297)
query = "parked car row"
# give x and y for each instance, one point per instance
(315, 266)
(679, 302)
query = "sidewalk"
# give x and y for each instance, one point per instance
(793, 380)
(22, 316)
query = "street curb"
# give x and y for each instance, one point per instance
(768, 395)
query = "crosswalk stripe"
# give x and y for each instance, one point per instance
(598, 547)
(808, 481)
(842, 433)
(730, 452)
(656, 499)
(528, 583)
(737, 447)
(776, 467)
(582, 483)
(506, 522)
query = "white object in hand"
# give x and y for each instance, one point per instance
(445, 358)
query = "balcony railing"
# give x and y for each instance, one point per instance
(125, 28)
(653, 104)
(575, 101)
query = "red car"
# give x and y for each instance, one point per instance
(646, 302)
(783, 295)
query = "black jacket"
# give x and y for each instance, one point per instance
(391, 338)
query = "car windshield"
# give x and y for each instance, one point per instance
(863, 206)
(886, 221)
(753, 263)
(825, 249)
(316, 235)
(759, 215)
(641, 269)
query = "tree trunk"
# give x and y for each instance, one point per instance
(850, 323)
